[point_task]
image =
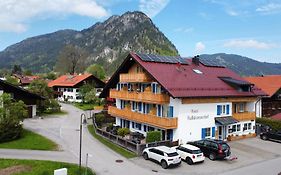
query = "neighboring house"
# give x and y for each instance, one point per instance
(25, 80)
(67, 87)
(271, 85)
(31, 100)
(183, 98)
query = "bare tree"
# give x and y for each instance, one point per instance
(72, 59)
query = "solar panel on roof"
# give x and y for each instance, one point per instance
(210, 62)
(162, 59)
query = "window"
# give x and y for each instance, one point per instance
(150, 128)
(171, 111)
(223, 109)
(241, 107)
(197, 71)
(234, 128)
(208, 132)
(138, 126)
(144, 128)
(133, 124)
(238, 127)
(77, 90)
(245, 127)
(249, 126)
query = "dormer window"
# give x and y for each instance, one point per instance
(240, 85)
(197, 71)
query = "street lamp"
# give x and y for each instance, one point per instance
(80, 149)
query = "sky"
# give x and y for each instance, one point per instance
(250, 28)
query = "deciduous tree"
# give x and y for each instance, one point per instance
(96, 70)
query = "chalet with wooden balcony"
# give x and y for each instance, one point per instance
(271, 85)
(185, 99)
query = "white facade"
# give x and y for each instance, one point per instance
(69, 94)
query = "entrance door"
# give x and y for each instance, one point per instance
(222, 132)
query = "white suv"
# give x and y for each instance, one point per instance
(164, 155)
(191, 154)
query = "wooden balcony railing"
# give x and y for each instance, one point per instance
(135, 78)
(243, 116)
(161, 122)
(146, 96)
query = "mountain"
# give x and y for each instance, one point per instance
(108, 43)
(244, 66)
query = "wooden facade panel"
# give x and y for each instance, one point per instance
(161, 122)
(135, 78)
(217, 100)
(146, 96)
(244, 116)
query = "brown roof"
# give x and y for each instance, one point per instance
(269, 84)
(68, 80)
(276, 116)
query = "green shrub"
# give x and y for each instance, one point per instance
(52, 106)
(99, 118)
(274, 124)
(153, 136)
(123, 131)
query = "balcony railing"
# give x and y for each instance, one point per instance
(135, 78)
(243, 116)
(146, 96)
(161, 122)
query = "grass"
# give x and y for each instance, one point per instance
(114, 147)
(46, 113)
(85, 106)
(30, 141)
(39, 167)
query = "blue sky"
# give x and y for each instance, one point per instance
(250, 28)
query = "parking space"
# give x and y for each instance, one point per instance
(249, 152)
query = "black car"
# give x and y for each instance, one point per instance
(271, 135)
(214, 149)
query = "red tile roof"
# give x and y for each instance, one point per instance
(68, 80)
(184, 82)
(276, 116)
(269, 84)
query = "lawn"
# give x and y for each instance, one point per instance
(31, 141)
(85, 107)
(46, 113)
(114, 147)
(37, 167)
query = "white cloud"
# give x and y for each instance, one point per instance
(199, 47)
(15, 14)
(184, 30)
(236, 43)
(232, 13)
(152, 7)
(269, 8)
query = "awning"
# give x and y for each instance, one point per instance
(225, 120)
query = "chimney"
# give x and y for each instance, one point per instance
(195, 60)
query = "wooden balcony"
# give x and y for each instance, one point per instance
(146, 96)
(135, 78)
(160, 122)
(243, 116)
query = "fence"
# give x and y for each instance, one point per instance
(127, 144)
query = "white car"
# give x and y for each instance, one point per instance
(191, 154)
(164, 155)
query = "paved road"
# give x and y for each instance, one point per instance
(65, 131)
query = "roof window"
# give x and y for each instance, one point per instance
(197, 71)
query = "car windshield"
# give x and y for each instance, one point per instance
(196, 151)
(225, 146)
(172, 154)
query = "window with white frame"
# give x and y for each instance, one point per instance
(223, 109)
(208, 132)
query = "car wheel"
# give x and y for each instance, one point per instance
(164, 164)
(145, 156)
(212, 156)
(189, 161)
(264, 137)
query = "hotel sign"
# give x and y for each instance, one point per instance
(195, 116)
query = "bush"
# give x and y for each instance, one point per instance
(274, 124)
(52, 106)
(10, 130)
(123, 131)
(153, 136)
(99, 118)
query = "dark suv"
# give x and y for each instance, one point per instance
(271, 135)
(214, 149)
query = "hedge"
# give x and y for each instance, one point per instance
(274, 124)
(153, 136)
